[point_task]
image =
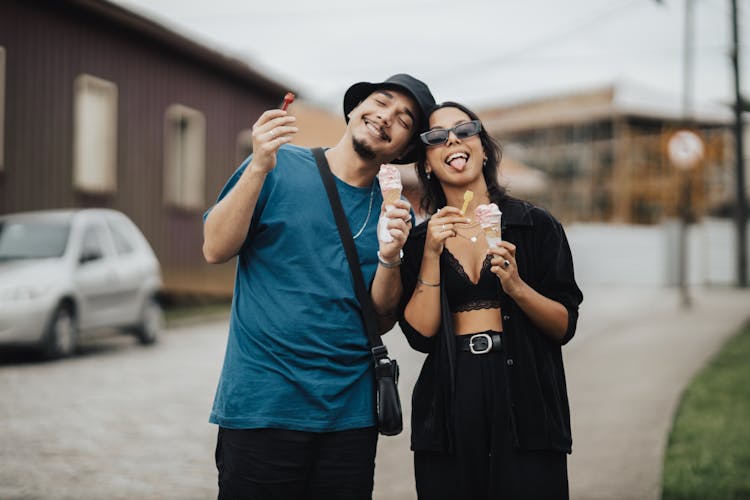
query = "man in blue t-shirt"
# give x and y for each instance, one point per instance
(295, 401)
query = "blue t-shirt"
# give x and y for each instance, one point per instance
(297, 355)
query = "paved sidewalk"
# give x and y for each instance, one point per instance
(635, 351)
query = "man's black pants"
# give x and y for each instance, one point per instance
(270, 464)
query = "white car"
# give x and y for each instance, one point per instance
(65, 273)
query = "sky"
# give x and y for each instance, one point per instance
(478, 52)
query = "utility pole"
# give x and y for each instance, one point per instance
(685, 171)
(741, 203)
(687, 63)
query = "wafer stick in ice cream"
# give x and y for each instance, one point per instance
(468, 196)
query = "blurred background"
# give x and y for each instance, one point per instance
(624, 118)
(146, 107)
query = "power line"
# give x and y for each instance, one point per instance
(662, 53)
(543, 42)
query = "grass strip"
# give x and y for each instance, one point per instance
(708, 451)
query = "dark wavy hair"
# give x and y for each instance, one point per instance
(434, 197)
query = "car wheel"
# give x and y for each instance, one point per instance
(62, 334)
(152, 323)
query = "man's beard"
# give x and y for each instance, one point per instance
(364, 151)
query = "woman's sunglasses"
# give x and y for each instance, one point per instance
(462, 131)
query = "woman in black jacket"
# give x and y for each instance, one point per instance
(490, 415)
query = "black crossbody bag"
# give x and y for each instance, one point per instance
(387, 404)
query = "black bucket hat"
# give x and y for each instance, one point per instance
(405, 83)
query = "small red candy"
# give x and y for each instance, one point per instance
(288, 99)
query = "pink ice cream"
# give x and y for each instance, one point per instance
(488, 215)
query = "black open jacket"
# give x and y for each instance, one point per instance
(536, 377)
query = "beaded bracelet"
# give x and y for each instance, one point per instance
(426, 283)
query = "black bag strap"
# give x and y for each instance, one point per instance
(379, 351)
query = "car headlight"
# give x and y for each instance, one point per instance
(23, 292)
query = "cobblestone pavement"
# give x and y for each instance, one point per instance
(121, 421)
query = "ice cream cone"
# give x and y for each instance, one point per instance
(489, 217)
(389, 178)
(391, 196)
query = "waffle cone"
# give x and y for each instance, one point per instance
(391, 196)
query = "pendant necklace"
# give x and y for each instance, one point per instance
(369, 211)
(472, 238)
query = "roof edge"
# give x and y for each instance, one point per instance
(161, 34)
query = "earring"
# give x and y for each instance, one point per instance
(428, 175)
(484, 162)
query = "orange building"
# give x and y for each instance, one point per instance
(604, 154)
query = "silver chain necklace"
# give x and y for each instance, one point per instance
(369, 211)
(473, 237)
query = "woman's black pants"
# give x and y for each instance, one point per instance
(486, 464)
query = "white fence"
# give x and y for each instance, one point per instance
(606, 254)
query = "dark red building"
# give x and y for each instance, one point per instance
(102, 107)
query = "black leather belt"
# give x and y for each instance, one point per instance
(480, 343)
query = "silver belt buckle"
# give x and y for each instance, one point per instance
(484, 336)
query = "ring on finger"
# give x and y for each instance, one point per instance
(442, 228)
(506, 264)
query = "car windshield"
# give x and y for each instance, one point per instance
(32, 240)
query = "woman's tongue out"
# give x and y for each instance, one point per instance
(458, 162)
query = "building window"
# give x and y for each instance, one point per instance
(184, 158)
(94, 135)
(244, 144)
(2, 108)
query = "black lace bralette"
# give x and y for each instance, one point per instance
(465, 295)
